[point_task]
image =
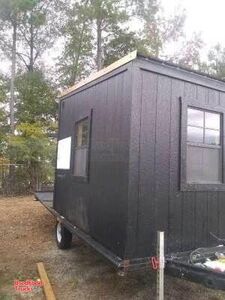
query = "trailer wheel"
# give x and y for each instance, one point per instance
(63, 236)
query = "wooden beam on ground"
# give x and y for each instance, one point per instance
(45, 281)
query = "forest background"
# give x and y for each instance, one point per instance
(80, 37)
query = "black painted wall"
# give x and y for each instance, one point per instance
(187, 217)
(99, 207)
(134, 187)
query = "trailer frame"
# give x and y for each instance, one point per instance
(123, 265)
(176, 265)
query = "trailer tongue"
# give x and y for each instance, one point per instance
(203, 265)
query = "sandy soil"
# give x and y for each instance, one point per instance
(27, 237)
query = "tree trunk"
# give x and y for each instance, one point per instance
(12, 82)
(99, 45)
(78, 53)
(80, 46)
(31, 65)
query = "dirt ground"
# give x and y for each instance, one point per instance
(27, 237)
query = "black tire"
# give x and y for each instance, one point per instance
(63, 236)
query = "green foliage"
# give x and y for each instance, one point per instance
(4, 127)
(121, 45)
(89, 28)
(11, 15)
(75, 58)
(32, 148)
(107, 16)
(35, 103)
(93, 33)
(189, 54)
(97, 33)
(37, 32)
(34, 23)
(158, 30)
(216, 61)
(29, 143)
(3, 89)
(11, 9)
(36, 99)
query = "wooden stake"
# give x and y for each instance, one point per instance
(46, 283)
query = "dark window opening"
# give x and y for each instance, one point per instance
(204, 150)
(81, 148)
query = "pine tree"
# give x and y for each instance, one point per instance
(107, 17)
(11, 14)
(216, 61)
(36, 99)
(75, 59)
(158, 30)
(36, 32)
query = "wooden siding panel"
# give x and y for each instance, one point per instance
(201, 198)
(146, 208)
(188, 221)
(201, 216)
(99, 207)
(150, 161)
(221, 204)
(189, 200)
(213, 217)
(214, 98)
(134, 152)
(175, 197)
(202, 95)
(162, 155)
(187, 217)
(222, 99)
(108, 162)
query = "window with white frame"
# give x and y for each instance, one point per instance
(204, 149)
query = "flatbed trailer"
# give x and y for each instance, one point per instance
(176, 264)
(141, 149)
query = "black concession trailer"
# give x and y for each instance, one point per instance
(141, 149)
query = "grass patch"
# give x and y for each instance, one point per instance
(20, 276)
(74, 283)
(5, 297)
(5, 280)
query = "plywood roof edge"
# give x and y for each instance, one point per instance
(178, 67)
(124, 60)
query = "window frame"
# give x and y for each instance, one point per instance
(203, 144)
(184, 185)
(78, 178)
